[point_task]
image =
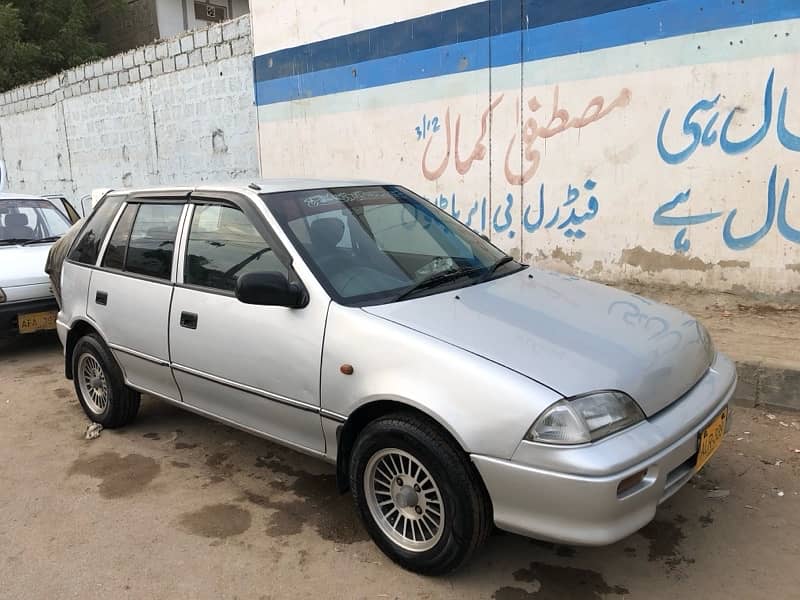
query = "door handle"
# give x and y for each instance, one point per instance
(101, 298)
(189, 320)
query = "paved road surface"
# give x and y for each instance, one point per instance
(176, 506)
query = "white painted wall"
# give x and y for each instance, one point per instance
(170, 17)
(629, 231)
(180, 111)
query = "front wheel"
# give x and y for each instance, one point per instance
(418, 494)
(100, 384)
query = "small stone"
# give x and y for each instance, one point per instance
(93, 431)
(771, 417)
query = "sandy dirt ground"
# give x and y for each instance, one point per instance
(176, 506)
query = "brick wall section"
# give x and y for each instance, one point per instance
(180, 110)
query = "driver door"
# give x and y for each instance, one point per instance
(255, 366)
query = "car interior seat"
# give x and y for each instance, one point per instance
(16, 226)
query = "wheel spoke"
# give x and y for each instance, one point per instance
(424, 521)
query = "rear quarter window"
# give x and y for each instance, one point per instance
(87, 247)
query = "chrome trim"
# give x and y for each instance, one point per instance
(333, 416)
(214, 417)
(248, 389)
(137, 354)
(107, 239)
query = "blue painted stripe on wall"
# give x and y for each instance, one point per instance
(463, 24)
(644, 22)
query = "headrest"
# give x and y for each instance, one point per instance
(327, 232)
(16, 220)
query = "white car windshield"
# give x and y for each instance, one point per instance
(24, 221)
(376, 244)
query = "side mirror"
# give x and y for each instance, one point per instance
(269, 288)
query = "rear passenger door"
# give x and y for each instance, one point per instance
(255, 366)
(131, 290)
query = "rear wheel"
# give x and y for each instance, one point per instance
(100, 384)
(418, 494)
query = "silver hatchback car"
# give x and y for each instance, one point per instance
(453, 387)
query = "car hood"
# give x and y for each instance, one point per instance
(567, 333)
(23, 265)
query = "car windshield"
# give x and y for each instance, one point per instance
(29, 221)
(377, 244)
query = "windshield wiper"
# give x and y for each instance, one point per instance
(434, 280)
(43, 240)
(490, 271)
(9, 241)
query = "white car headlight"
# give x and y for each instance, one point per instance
(585, 418)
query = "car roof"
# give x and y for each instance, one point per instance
(261, 186)
(13, 196)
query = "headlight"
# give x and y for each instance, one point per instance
(2, 295)
(585, 418)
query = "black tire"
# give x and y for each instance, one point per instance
(467, 519)
(122, 403)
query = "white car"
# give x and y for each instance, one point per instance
(453, 387)
(28, 227)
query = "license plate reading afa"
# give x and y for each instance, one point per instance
(30, 322)
(711, 438)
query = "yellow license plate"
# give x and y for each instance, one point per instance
(711, 438)
(30, 322)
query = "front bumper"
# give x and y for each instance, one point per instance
(9, 312)
(569, 494)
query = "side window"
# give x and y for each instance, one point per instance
(87, 246)
(114, 257)
(223, 245)
(152, 240)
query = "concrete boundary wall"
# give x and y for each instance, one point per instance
(180, 110)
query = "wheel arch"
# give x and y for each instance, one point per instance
(78, 329)
(347, 433)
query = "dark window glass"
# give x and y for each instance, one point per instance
(87, 246)
(377, 244)
(152, 240)
(223, 245)
(114, 257)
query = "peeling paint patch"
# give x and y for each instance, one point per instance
(568, 257)
(741, 264)
(654, 261)
(794, 267)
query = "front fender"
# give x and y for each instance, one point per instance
(486, 407)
